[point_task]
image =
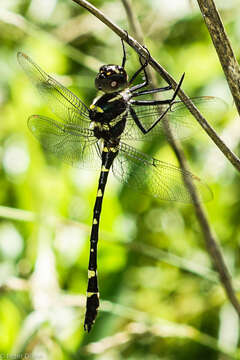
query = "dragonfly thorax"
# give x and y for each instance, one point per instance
(111, 78)
(108, 114)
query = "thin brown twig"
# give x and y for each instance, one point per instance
(235, 161)
(133, 23)
(210, 240)
(136, 30)
(223, 47)
(209, 237)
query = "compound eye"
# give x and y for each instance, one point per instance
(113, 83)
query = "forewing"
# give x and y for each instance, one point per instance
(62, 101)
(154, 177)
(70, 143)
(179, 119)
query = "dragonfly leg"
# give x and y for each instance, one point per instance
(140, 125)
(124, 51)
(159, 102)
(154, 102)
(152, 91)
(142, 68)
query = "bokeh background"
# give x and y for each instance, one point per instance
(160, 296)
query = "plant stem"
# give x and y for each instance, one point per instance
(210, 239)
(223, 47)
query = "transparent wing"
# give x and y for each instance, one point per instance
(70, 143)
(179, 119)
(154, 177)
(62, 101)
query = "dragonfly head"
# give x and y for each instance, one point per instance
(111, 78)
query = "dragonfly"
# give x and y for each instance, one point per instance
(98, 134)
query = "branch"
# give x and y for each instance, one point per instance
(223, 47)
(209, 237)
(133, 22)
(167, 77)
(210, 241)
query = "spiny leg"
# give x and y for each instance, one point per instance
(108, 155)
(146, 82)
(152, 91)
(142, 68)
(139, 124)
(146, 79)
(158, 102)
(124, 52)
(154, 102)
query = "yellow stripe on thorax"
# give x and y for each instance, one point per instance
(96, 108)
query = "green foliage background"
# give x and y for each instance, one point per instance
(161, 298)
